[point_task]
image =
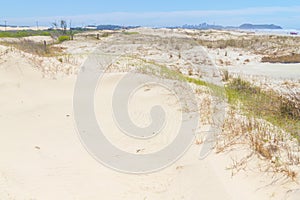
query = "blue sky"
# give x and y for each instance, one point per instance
(153, 12)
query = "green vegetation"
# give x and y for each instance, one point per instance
(278, 110)
(26, 33)
(269, 106)
(23, 33)
(164, 72)
(255, 103)
(272, 107)
(130, 33)
(63, 38)
(215, 89)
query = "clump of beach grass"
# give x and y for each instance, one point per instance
(270, 106)
(35, 48)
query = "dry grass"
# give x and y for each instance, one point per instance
(222, 44)
(34, 48)
(293, 58)
(270, 106)
(266, 123)
(264, 140)
(268, 45)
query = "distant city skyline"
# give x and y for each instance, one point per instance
(152, 13)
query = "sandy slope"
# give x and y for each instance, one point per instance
(41, 156)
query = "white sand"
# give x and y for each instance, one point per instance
(42, 158)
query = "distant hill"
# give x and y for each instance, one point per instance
(104, 27)
(260, 26)
(114, 27)
(11, 26)
(205, 26)
(202, 26)
(109, 27)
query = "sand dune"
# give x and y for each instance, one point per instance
(41, 155)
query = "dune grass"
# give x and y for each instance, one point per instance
(23, 33)
(257, 104)
(274, 48)
(35, 48)
(130, 33)
(26, 33)
(278, 110)
(254, 102)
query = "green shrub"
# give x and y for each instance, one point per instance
(130, 33)
(105, 34)
(63, 38)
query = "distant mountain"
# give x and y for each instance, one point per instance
(260, 26)
(114, 27)
(108, 27)
(104, 27)
(202, 26)
(205, 26)
(11, 26)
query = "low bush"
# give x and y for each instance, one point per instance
(63, 38)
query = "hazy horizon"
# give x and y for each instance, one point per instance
(153, 14)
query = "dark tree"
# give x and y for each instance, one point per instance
(63, 25)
